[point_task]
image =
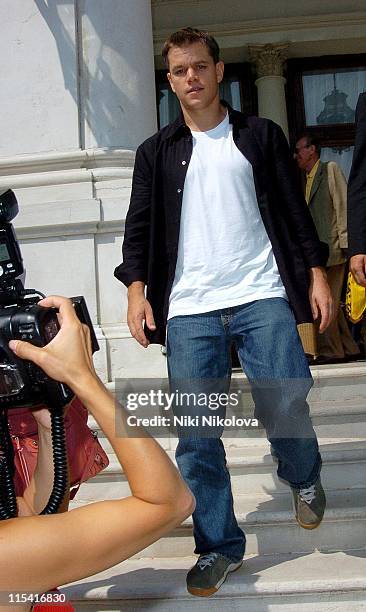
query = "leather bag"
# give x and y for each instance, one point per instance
(86, 457)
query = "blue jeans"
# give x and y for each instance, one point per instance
(270, 351)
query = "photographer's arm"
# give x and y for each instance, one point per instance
(36, 495)
(47, 550)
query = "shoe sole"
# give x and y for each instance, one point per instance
(208, 592)
(307, 525)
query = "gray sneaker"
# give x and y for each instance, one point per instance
(309, 505)
(210, 571)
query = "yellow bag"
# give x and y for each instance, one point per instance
(355, 300)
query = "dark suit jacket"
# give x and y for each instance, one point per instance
(150, 244)
(357, 185)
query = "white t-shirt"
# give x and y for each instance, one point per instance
(225, 257)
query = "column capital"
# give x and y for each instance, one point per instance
(269, 59)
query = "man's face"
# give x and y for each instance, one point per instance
(304, 153)
(193, 76)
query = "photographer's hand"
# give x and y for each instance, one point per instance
(67, 358)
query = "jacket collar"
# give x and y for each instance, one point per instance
(179, 128)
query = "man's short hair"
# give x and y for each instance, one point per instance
(311, 140)
(187, 36)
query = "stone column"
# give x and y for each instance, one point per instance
(116, 64)
(269, 60)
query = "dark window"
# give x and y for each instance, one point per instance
(237, 88)
(322, 95)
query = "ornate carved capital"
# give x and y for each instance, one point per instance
(269, 59)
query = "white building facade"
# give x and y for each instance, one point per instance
(78, 96)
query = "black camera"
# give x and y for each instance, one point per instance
(22, 382)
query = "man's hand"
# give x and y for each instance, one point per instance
(357, 265)
(321, 300)
(139, 310)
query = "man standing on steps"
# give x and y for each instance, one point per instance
(222, 239)
(326, 196)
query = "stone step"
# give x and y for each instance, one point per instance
(338, 420)
(337, 405)
(325, 582)
(270, 526)
(253, 470)
(331, 382)
(319, 372)
(344, 465)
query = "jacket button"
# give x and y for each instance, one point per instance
(184, 162)
(179, 190)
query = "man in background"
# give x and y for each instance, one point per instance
(326, 196)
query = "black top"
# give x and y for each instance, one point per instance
(356, 205)
(150, 244)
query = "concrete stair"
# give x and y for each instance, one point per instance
(253, 470)
(285, 566)
(331, 582)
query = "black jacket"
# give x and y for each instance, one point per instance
(356, 204)
(152, 225)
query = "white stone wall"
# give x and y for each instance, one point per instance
(117, 73)
(39, 110)
(78, 88)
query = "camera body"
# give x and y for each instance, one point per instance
(22, 382)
